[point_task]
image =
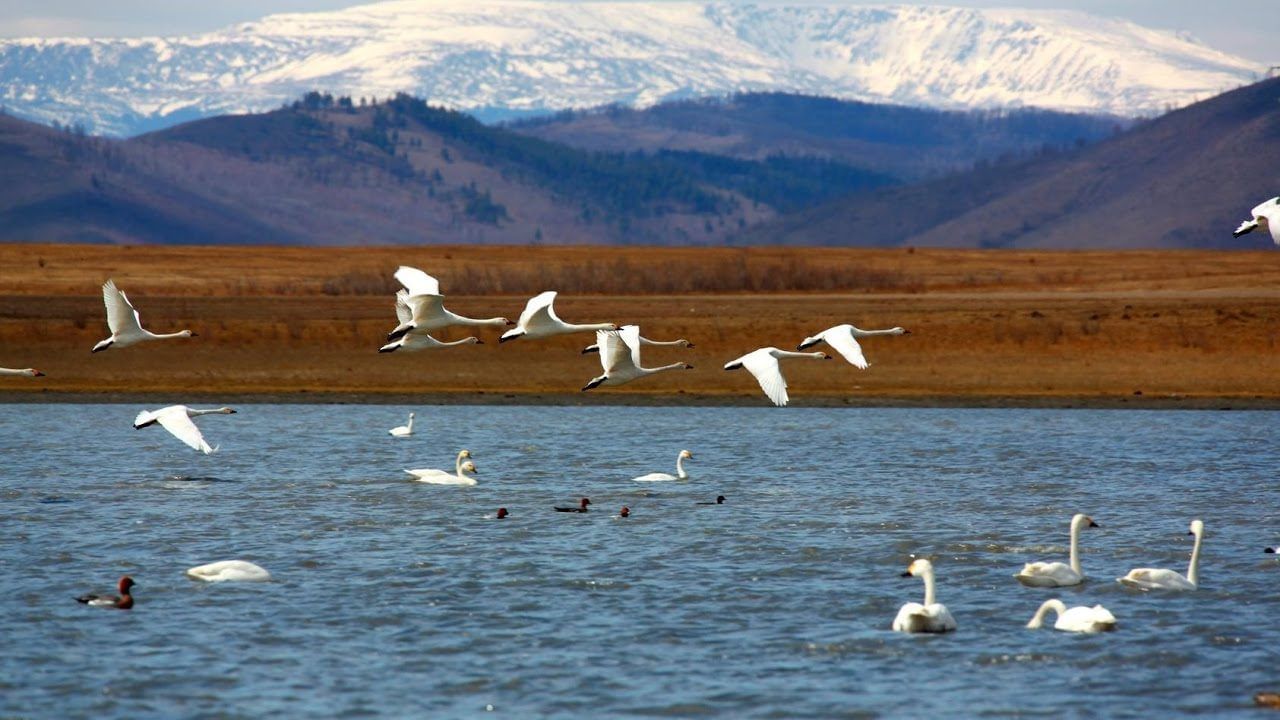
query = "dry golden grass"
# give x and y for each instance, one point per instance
(985, 324)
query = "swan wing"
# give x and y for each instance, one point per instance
(1271, 211)
(425, 309)
(417, 282)
(538, 311)
(630, 335)
(614, 356)
(403, 312)
(175, 420)
(765, 367)
(655, 477)
(230, 570)
(842, 339)
(121, 317)
(1156, 579)
(1048, 574)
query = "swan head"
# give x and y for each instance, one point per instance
(464, 454)
(687, 366)
(186, 334)
(125, 583)
(32, 372)
(1197, 528)
(686, 455)
(624, 512)
(684, 343)
(1082, 520)
(899, 331)
(470, 467)
(502, 512)
(226, 411)
(410, 416)
(474, 341)
(918, 568)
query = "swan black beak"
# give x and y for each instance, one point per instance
(906, 574)
(906, 332)
(1093, 524)
(479, 341)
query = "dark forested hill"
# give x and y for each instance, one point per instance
(1185, 179)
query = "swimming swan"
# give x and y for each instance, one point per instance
(539, 320)
(620, 358)
(177, 420)
(440, 477)
(932, 616)
(125, 323)
(844, 338)
(663, 477)
(763, 364)
(27, 372)
(1079, 619)
(423, 307)
(1265, 216)
(643, 341)
(1161, 579)
(230, 571)
(404, 430)
(1056, 574)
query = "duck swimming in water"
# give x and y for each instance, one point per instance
(123, 601)
(719, 501)
(582, 507)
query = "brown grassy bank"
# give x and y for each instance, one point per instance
(1035, 326)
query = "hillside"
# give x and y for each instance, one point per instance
(906, 142)
(1185, 179)
(502, 58)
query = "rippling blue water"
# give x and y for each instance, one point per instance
(395, 599)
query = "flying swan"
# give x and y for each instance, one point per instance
(932, 616)
(1161, 579)
(230, 571)
(1056, 574)
(440, 477)
(177, 420)
(844, 338)
(663, 477)
(404, 430)
(1265, 216)
(425, 307)
(1079, 619)
(643, 341)
(539, 320)
(763, 363)
(415, 339)
(125, 324)
(620, 358)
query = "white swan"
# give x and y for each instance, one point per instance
(177, 420)
(932, 616)
(125, 324)
(844, 338)
(643, 341)
(1079, 619)
(418, 339)
(425, 306)
(1056, 574)
(620, 358)
(1265, 216)
(763, 363)
(539, 320)
(663, 477)
(229, 571)
(404, 430)
(1161, 579)
(462, 466)
(27, 372)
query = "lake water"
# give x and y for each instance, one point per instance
(396, 599)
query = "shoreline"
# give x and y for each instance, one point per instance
(553, 399)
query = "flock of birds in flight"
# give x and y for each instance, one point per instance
(420, 311)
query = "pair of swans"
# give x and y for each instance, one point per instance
(125, 323)
(763, 363)
(1265, 216)
(229, 571)
(177, 420)
(420, 311)
(404, 430)
(462, 466)
(620, 358)
(1056, 574)
(666, 477)
(25, 372)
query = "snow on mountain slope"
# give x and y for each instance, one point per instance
(512, 56)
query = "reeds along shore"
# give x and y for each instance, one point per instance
(1127, 326)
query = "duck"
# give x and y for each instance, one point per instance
(177, 420)
(665, 477)
(123, 601)
(24, 372)
(929, 617)
(125, 323)
(1056, 574)
(539, 320)
(718, 501)
(1079, 619)
(582, 507)
(763, 364)
(620, 358)
(624, 512)
(1162, 579)
(440, 477)
(502, 513)
(403, 430)
(844, 338)
(229, 571)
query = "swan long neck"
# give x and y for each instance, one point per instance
(1038, 619)
(590, 326)
(166, 336)
(457, 464)
(930, 593)
(663, 343)
(857, 332)
(790, 354)
(409, 425)
(485, 322)
(198, 413)
(1193, 568)
(680, 473)
(672, 366)
(463, 341)
(1075, 547)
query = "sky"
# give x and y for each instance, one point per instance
(1248, 28)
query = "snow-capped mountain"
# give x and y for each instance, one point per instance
(513, 56)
